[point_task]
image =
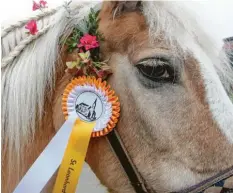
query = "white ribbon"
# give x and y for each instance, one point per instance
(50, 159)
(47, 163)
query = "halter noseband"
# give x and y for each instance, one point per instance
(139, 184)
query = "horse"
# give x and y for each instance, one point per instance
(172, 81)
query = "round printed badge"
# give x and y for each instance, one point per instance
(92, 100)
(89, 106)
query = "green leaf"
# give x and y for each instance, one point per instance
(71, 65)
(74, 45)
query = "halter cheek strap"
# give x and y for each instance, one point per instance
(120, 151)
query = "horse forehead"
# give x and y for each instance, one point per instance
(120, 32)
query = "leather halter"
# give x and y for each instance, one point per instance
(119, 149)
(139, 184)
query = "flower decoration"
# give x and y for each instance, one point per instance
(35, 6)
(88, 41)
(43, 3)
(83, 45)
(32, 27)
(40, 5)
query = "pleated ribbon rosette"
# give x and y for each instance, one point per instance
(91, 109)
(96, 109)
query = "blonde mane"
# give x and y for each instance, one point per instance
(30, 77)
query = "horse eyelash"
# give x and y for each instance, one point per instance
(153, 61)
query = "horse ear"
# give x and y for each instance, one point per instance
(120, 7)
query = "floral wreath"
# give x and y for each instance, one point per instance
(83, 44)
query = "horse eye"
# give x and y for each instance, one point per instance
(156, 69)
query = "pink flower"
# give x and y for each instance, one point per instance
(88, 41)
(41, 4)
(32, 27)
(35, 6)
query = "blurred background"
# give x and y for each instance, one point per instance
(215, 15)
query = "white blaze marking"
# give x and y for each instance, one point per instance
(220, 104)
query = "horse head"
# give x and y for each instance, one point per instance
(173, 84)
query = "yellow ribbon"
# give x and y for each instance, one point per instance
(71, 166)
